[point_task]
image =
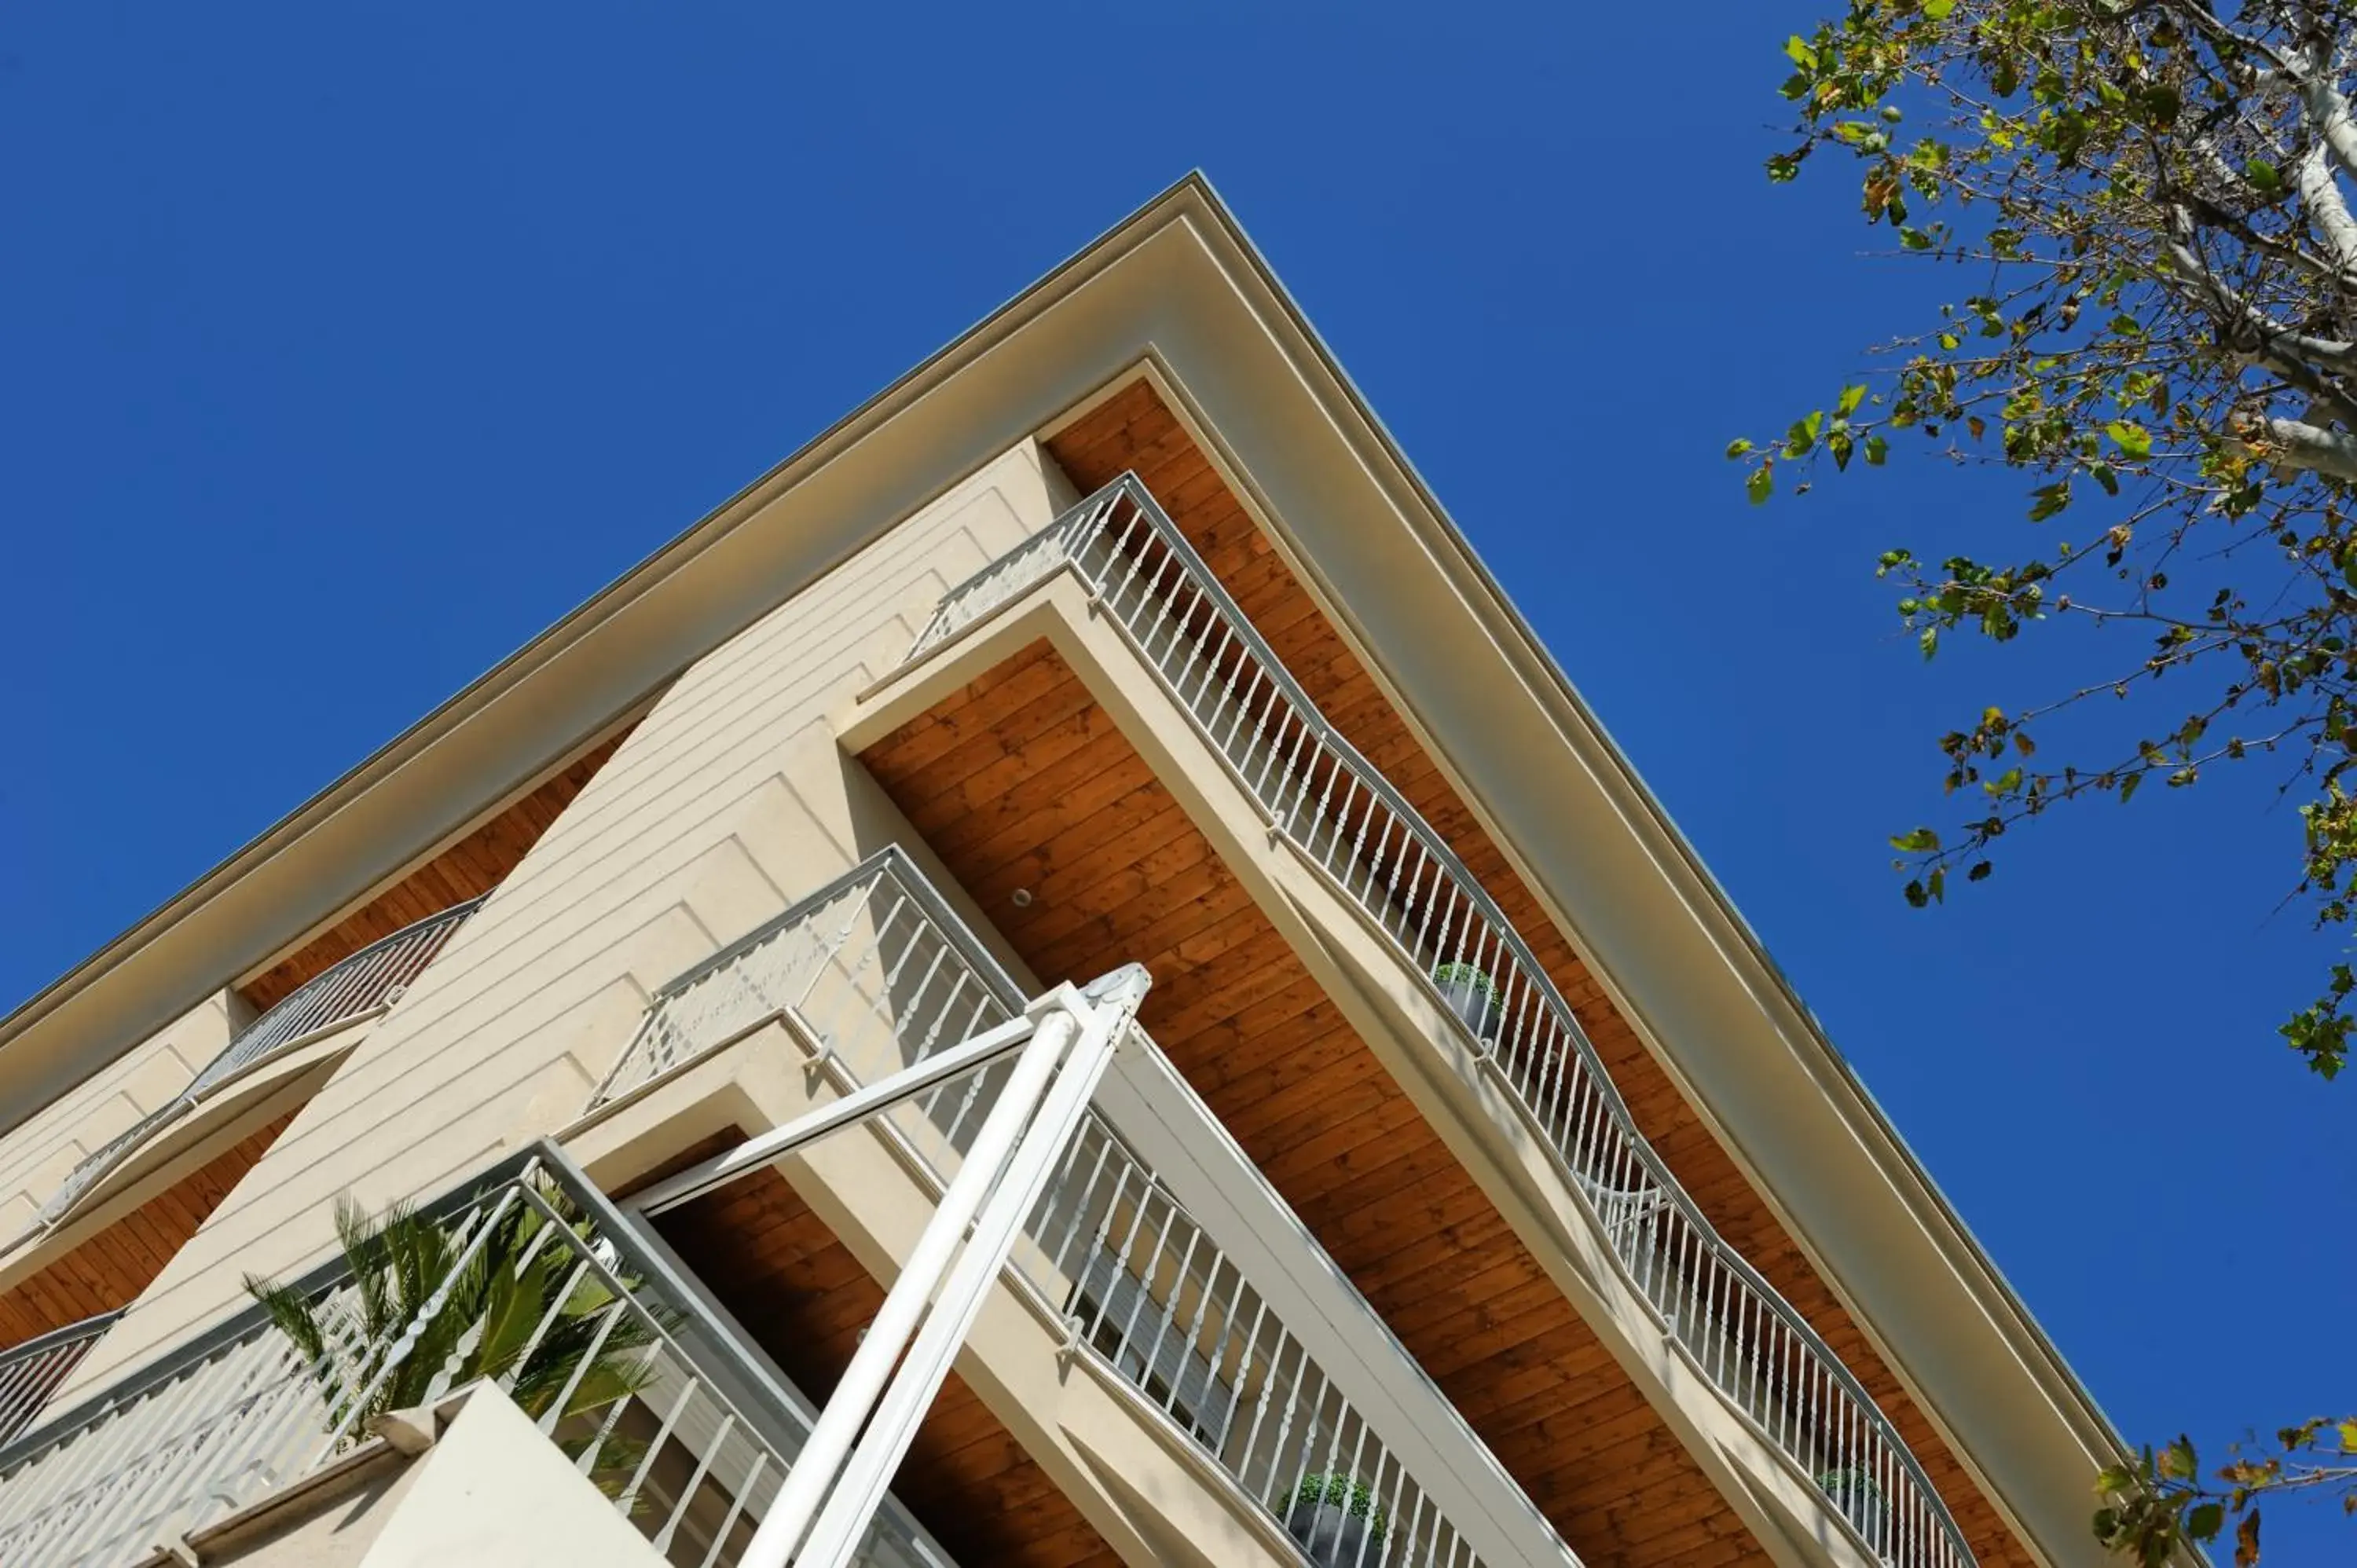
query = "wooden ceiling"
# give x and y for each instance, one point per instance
(467, 869)
(1021, 781)
(111, 1268)
(781, 1271)
(1136, 888)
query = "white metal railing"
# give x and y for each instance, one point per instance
(105, 1158)
(373, 978)
(882, 975)
(691, 1444)
(1346, 819)
(31, 1372)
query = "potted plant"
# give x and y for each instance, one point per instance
(509, 1289)
(1472, 995)
(1861, 1501)
(1335, 1519)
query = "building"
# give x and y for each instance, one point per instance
(1377, 1137)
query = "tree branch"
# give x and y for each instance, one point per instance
(2319, 192)
(2296, 356)
(2328, 114)
(2313, 450)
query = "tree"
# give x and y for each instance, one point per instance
(518, 1310)
(2149, 202)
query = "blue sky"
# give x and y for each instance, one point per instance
(343, 348)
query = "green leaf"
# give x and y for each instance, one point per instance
(1937, 10)
(2128, 785)
(1877, 451)
(1801, 438)
(1760, 486)
(2264, 175)
(2204, 1522)
(1847, 404)
(1919, 841)
(1797, 51)
(1738, 447)
(2134, 439)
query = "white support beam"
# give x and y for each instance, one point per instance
(1102, 1023)
(768, 1148)
(822, 1459)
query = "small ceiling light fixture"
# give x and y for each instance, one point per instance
(1022, 898)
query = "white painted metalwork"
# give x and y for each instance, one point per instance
(882, 976)
(371, 978)
(864, 1380)
(31, 1372)
(86, 1170)
(693, 1455)
(768, 1148)
(1347, 820)
(1020, 1139)
(794, 964)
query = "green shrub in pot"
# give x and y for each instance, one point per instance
(1853, 1493)
(1472, 995)
(1335, 1520)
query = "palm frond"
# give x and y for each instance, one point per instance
(521, 1304)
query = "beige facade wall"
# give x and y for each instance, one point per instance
(697, 830)
(38, 1151)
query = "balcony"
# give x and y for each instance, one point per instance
(691, 1455)
(31, 1372)
(1350, 1451)
(1399, 880)
(361, 986)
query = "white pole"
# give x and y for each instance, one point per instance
(789, 1515)
(1104, 1019)
(768, 1148)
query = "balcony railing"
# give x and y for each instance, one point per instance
(881, 974)
(691, 1455)
(31, 1372)
(1379, 853)
(369, 980)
